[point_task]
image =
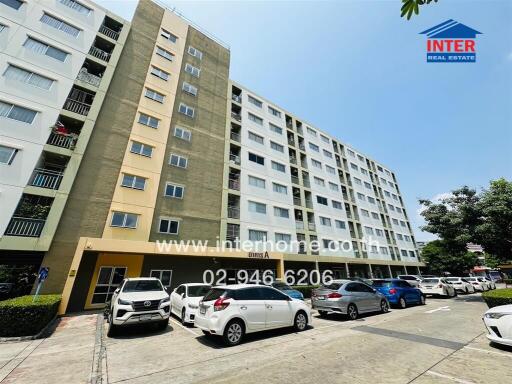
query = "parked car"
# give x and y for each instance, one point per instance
(232, 311)
(437, 286)
(498, 321)
(348, 297)
(490, 283)
(461, 284)
(285, 288)
(399, 292)
(477, 284)
(138, 300)
(185, 300)
(411, 279)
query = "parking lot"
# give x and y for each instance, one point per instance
(442, 342)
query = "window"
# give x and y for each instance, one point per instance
(189, 88)
(395, 197)
(154, 95)
(2, 27)
(357, 181)
(354, 166)
(379, 232)
(365, 213)
(327, 154)
(75, 5)
(168, 35)
(395, 221)
(278, 166)
(399, 210)
(371, 200)
(380, 168)
(159, 73)
(383, 180)
(326, 243)
(351, 153)
(375, 215)
(279, 188)
(364, 171)
(192, 70)
(339, 224)
(173, 190)
(325, 139)
(257, 207)
(360, 196)
(256, 119)
(109, 279)
(254, 101)
(319, 181)
(330, 169)
(141, 149)
(387, 193)
(255, 235)
(337, 204)
(274, 112)
(124, 220)
(333, 187)
(283, 237)
(281, 212)
(15, 4)
(256, 182)
(404, 252)
(367, 185)
(165, 276)
(368, 230)
(387, 172)
(321, 200)
(45, 49)
(256, 159)
(60, 25)
(256, 138)
(20, 74)
(134, 182)
(186, 110)
(178, 161)
(399, 236)
(361, 158)
(316, 163)
(391, 208)
(325, 221)
(407, 238)
(412, 254)
(384, 250)
(164, 53)
(150, 121)
(7, 154)
(402, 223)
(275, 128)
(16, 112)
(182, 133)
(170, 226)
(276, 147)
(374, 249)
(195, 52)
(314, 147)
(312, 132)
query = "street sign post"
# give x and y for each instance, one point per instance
(41, 277)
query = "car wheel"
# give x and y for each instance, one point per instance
(423, 300)
(352, 312)
(384, 306)
(183, 315)
(233, 333)
(112, 329)
(322, 313)
(301, 321)
(467, 291)
(402, 303)
(206, 333)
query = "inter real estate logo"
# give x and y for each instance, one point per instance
(451, 42)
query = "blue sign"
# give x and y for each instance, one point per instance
(43, 274)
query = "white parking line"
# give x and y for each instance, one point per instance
(491, 352)
(445, 308)
(185, 328)
(461, 381)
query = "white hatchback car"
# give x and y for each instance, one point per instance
(477, 284)
(461, 284)
(231, 311)
(490, 282)
(498, 321)
(414, 280)
(185, 300)
(437, 286)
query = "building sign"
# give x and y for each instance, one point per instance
(259, 255)
(451, 42)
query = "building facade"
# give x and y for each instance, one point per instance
(180, 173)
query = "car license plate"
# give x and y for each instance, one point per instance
(428, 286)
(145, 317)
(202, 310)
(320, 297)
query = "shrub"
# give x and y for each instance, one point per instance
(305, 289)
(21, 317)
(507, 281)
(498, 297)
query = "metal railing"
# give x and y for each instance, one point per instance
(109, 32)
(306, 183)
(233, 212)
(300, 131)
(236, 98)
(291, 141)
(295, 179)
(293, 160)
(302, 147)
(62, 140)
(289, 125)
(235, 136)
(234, 184)
(309, 203)
(234, 159)
(46, 178)
(99, 54)
(299, 225)
(312, 226)
(297, 201)
(25, 227)
(304, 164)
(236, 116)
(89, 78)
(77, 107)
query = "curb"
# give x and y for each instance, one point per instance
(98, 370)
(45, 332)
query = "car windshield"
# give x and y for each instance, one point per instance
(430, 281)
(382, 283)
(407, 277)
(214, 294)
(470, 278)
(142, 286)
(452, 279)
(281, 286)
(198, 290)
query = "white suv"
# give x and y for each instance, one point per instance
(139, 300)
(234, 310)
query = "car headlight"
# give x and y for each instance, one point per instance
(166, 300)
(192, 306)
(123, 302)
(495, 315)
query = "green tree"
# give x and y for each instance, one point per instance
(439, 259)
(413, 6)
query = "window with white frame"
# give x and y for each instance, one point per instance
(357, 181)
(45, 49)
(14, 4)
(354, 166)
(379, 232)
(150, 121)
(402, 223)
(174, 190)
(75, 5)
(256, 159)
(60, 25)
(16, 112)
(19, 74)
(404, 252)
(321, 200)
(194, 71)
(384, 250)
(330, 169)
(395, 221)
(164, 275)
(141, 149)
(283, 238)
(325, 139)
(360, 196)
(254, 101)
(178, 161)
(256, 182)
(399, 236)
(375, 215)
(133, 182)
(371, 200)
(373, 249)
(186, 110)
(168, 36)
(182, 133)
(254, 137)
(168, 225)
(368, 230)
(256, 207)
(316, 163)
(318, 181)
(367, 185)
(337, 204)
(364, 171)
(279, 188)
(124, 220)
(164, 53)
(325, 221)
(351, 152)
(340, 224)
(277, 147)
(412, 254)
(195, 52)
(2, 27)
(278, 166)
(7, 154)
(281, 212)
(314, 147)
(274, 112)
(311, 131)
(189, 88)
(360, 158)
(154, 95)
(255, 235)
(391, 208)
(327, 154)
(365, 213)
(333, 187)
(407, 238)
(274, 128)
(160, 73)
(255, 119)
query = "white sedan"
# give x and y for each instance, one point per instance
(477, 284)
(498, 321)
(185, 300)
(437, 286)
(490, 283)
(461, 284)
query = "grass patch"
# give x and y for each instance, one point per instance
(498, 297)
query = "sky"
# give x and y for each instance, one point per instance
(358, 71)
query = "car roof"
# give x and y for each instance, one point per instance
(140, 278)
(195, 284)
(240, 286)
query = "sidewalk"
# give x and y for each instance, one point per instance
(68, 351)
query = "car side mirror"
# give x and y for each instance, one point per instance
(182, 295)
(117, 291)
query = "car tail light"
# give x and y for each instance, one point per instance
(220, 304)
(440, 286)
(334, 295)
(474, 283)
(392, 291)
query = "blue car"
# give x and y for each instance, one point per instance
(399, 292)
(285, 288)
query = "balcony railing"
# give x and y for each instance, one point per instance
(299, 225)
(302, 147)
(293, 160)
(299, 131)
(312, 226)
(291, 141)
(234, 159)
(289, 124)
(234, 184)
(236, 98)
(304, 164)
(309, 203)
(236, 116)
(306, 183)
(233, 212)
(25, 227)
(297, 201)
(109, 32)
(46, 178)
(89, 78)
(295, 180)
(77, 107)
(62, 140)
(235, 136)
(99, 54)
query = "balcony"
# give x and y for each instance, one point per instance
(236, 98)
(234, 184)
(233, 212)
(79, 101)
(46, 178)
(311, 226)
(236, 116)
(295, 179)
(291, 141)
(24, 227)
(88, 78)
(306, 183)
(309, 203)
(293, 160)
(297, 201)
(299, 225)
(235, 136)
(235, 159)
(302, 147)
(99, 54)
(233, 234)
(110, 28)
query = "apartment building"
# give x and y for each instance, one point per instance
(178, 152)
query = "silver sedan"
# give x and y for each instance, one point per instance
(347, 297)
